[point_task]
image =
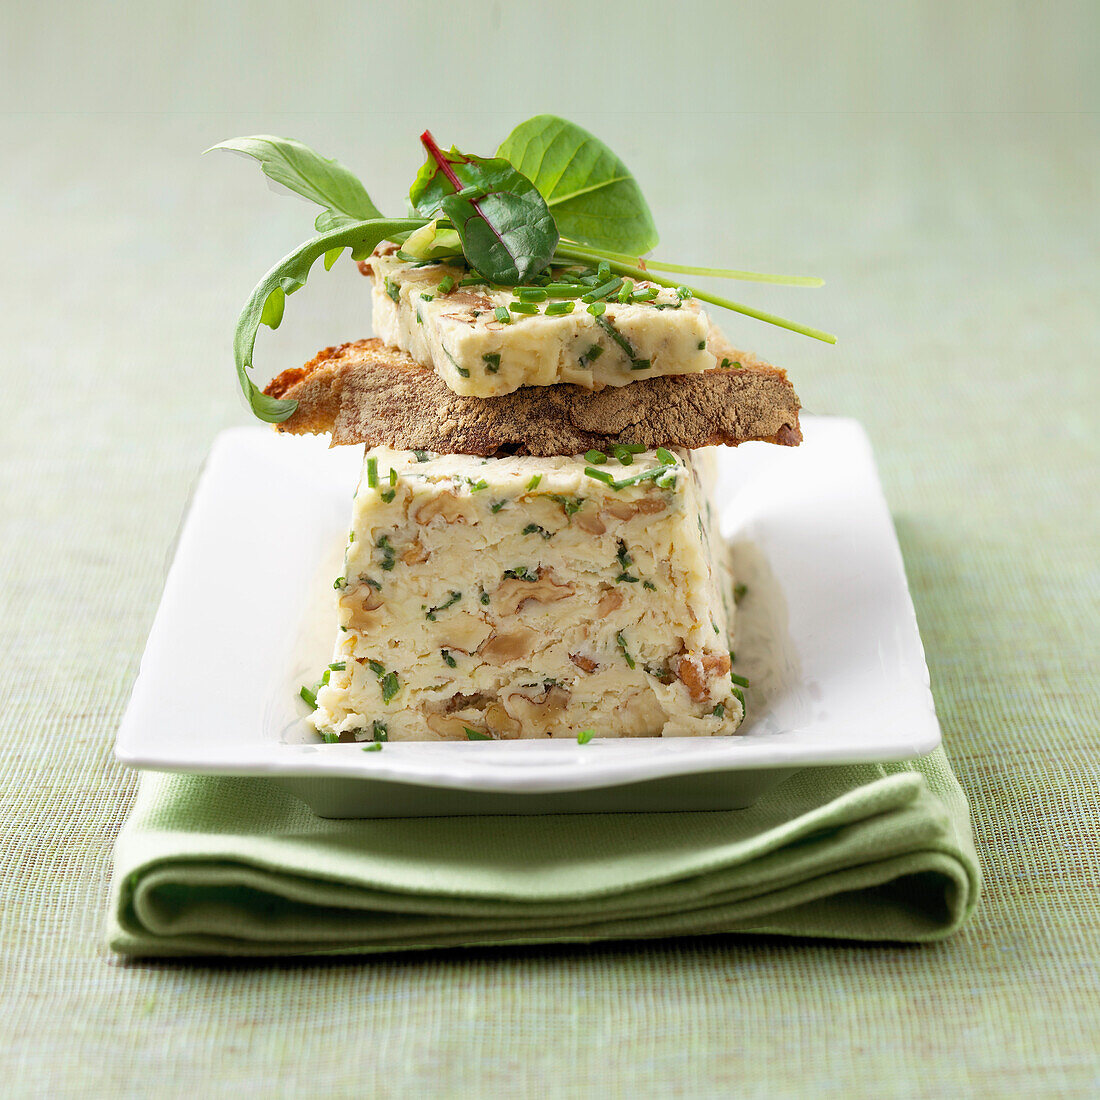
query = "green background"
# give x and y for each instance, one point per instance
(937, 164)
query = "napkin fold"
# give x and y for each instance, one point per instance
(213, 866)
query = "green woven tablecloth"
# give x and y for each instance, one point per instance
(938, 165)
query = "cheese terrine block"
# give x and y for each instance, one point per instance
(481, 347)
(531, 597)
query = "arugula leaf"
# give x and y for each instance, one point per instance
(287, 276)
(593, 196)
(507, 231)
(297, 167)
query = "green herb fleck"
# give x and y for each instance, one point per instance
(740, 681)
(719, 711)
(372, 472)
(378, 732)
(340, 583)
(626, 290)
(559, 309)
(600, 475)
(427, 297)
(309, 696)
(501, 314)
(392, 289)
(374, 746)
(485, 598)
(376, 667)
(626, 653)
(449, 602)
(390, 686)
(624, 455)
(531, 294)
(446, 285)
(534, 482)
(476, 735)
(448, 660)
(597, 458)
(591, 355)
(520, 573)
(388, 554)
(649, 585)
(535, 529)
(597, 309)
(666, 457)
(529, 308)
(387, 496)
(624, 559)
(477, 486)
(420, 456)
(701, 346)
(585, 736)
(739, 592)
(497, 505)
(491, 360)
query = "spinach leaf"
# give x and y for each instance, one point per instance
(265, 306)
(591, 193)
(297, 167)
(507, 231)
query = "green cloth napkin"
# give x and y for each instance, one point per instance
(216, 866)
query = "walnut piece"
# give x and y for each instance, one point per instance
(585, 664)
(588, 519)
(449, 728)
(513, 645)
(501, 724)
(415, 553)
(512, 594)
(695, 671)
(628, 509)
(444, 504)
(610, 601)
(538, 712)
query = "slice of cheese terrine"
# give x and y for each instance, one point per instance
(524, 597)
(481, 347)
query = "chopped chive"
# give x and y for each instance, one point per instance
(453, 599)
(501, 314)
(533, 483)
(591, 355)
(600, 475)
(337, 666)
(374, 746)
(427, 297)
(446, 285)
(739, 591)
(623, 454)
(563, 290)
(666, 456)
(535, 529)
(626, 290)
(531, 294)
(491, 359)
(477, 486)
(476, 735)
(390, 686)
(393, 476)
(603, 271)
(379, 732)
(640, 364)
(627, 578)
(622, 483)
(683, 293)
(597, 458)
(585, 736)
(388, 554)
(529, 308)
(597, 308)
(649, 585)
(497, 505)
(701, 346)
(376, 667)
(559, 309)
(624, 559)
(463, 372)
(372, 473)
(719, 711)
(622, 645)
(645, 295)
(485, 598)
(739, 695)
(309, 697)
(392, 289)
(601, 292)
(740, 681)
(618, 337)
(420, 456)
(339, 583)
(448, 660)
(473, 280)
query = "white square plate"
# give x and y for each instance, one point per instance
(826, 633)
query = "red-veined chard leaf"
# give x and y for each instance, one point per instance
(506, 229)
(305, 172)
(265, 306)
(593, 196)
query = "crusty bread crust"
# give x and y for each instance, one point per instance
(366, 392)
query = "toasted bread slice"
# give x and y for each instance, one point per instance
(366, 392)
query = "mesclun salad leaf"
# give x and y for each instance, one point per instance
(288, 275)
(507, 231)
(297, 167)
(553, 195)
(591, 193)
